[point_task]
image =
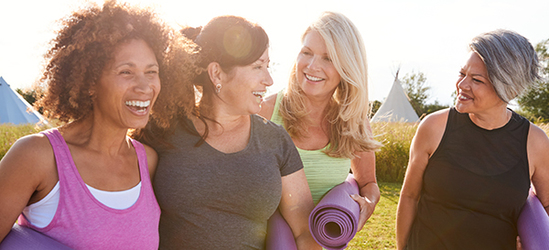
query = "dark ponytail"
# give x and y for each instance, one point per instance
(191, 32)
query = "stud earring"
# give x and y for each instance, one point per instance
(218, 88)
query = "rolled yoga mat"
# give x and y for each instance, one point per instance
(533, 224)
(279, 234)
(24, 238)
(334, 220)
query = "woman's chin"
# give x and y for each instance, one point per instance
(461, 108)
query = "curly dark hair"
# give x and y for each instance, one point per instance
(87, 42)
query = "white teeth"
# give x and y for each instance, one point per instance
(313, 78)
(463, 98)
(259, 93)
(138, 103)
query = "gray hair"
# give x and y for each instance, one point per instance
(510, 59)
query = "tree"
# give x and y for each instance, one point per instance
(28, 95)
(414, 85)
(430, 108)
(374, 107)
(535, 101)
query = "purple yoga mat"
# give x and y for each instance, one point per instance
(334, 221)
(279, 234)
(533, 225)
(24, 238)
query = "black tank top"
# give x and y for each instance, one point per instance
(474, 187)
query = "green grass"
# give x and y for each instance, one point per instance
(9, 133)
(379, 231)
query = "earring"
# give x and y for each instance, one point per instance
(218, 88)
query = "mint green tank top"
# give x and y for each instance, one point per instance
(323, 172)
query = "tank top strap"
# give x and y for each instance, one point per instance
(63, 159)
(275, 117)
(456, 119)
(142, 161)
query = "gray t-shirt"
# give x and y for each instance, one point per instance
(213, 200)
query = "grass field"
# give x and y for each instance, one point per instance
(379, 231)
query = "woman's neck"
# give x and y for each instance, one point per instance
(226, 133)
(492, 119)
(220, 120)
(89, 134)
(317, 109)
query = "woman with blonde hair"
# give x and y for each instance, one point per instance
(325, 110)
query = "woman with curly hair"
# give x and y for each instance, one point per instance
(325, 110)
(87, 184)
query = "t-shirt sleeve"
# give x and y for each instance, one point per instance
(291, 161)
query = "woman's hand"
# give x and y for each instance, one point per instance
(364, 171)
(519, 245)
(366, 209)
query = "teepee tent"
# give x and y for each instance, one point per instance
(13, 108)
(397, 107)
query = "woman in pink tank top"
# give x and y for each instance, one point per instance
(102, 78)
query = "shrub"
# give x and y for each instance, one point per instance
(392, 159)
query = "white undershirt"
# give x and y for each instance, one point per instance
(41, 213)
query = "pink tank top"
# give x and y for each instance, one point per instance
(82, 222)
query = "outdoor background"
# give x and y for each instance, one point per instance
(425, 39)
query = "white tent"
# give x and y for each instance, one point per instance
(397, 107)
(14, 109)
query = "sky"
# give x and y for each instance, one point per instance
(427, 36)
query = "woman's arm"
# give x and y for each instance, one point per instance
(295, 206)
(364, 171)
(428, 136)
(538, 158)
(27, 174)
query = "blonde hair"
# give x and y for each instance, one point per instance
(348, 110)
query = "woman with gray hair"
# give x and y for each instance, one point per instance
(471, 166)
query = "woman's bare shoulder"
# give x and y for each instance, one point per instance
(31, 147)
(31, 160)
(435, 119)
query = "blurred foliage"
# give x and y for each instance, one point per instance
(534, 103)
(392, 159)
(374, 107)
(415, 86)
(30, 95)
